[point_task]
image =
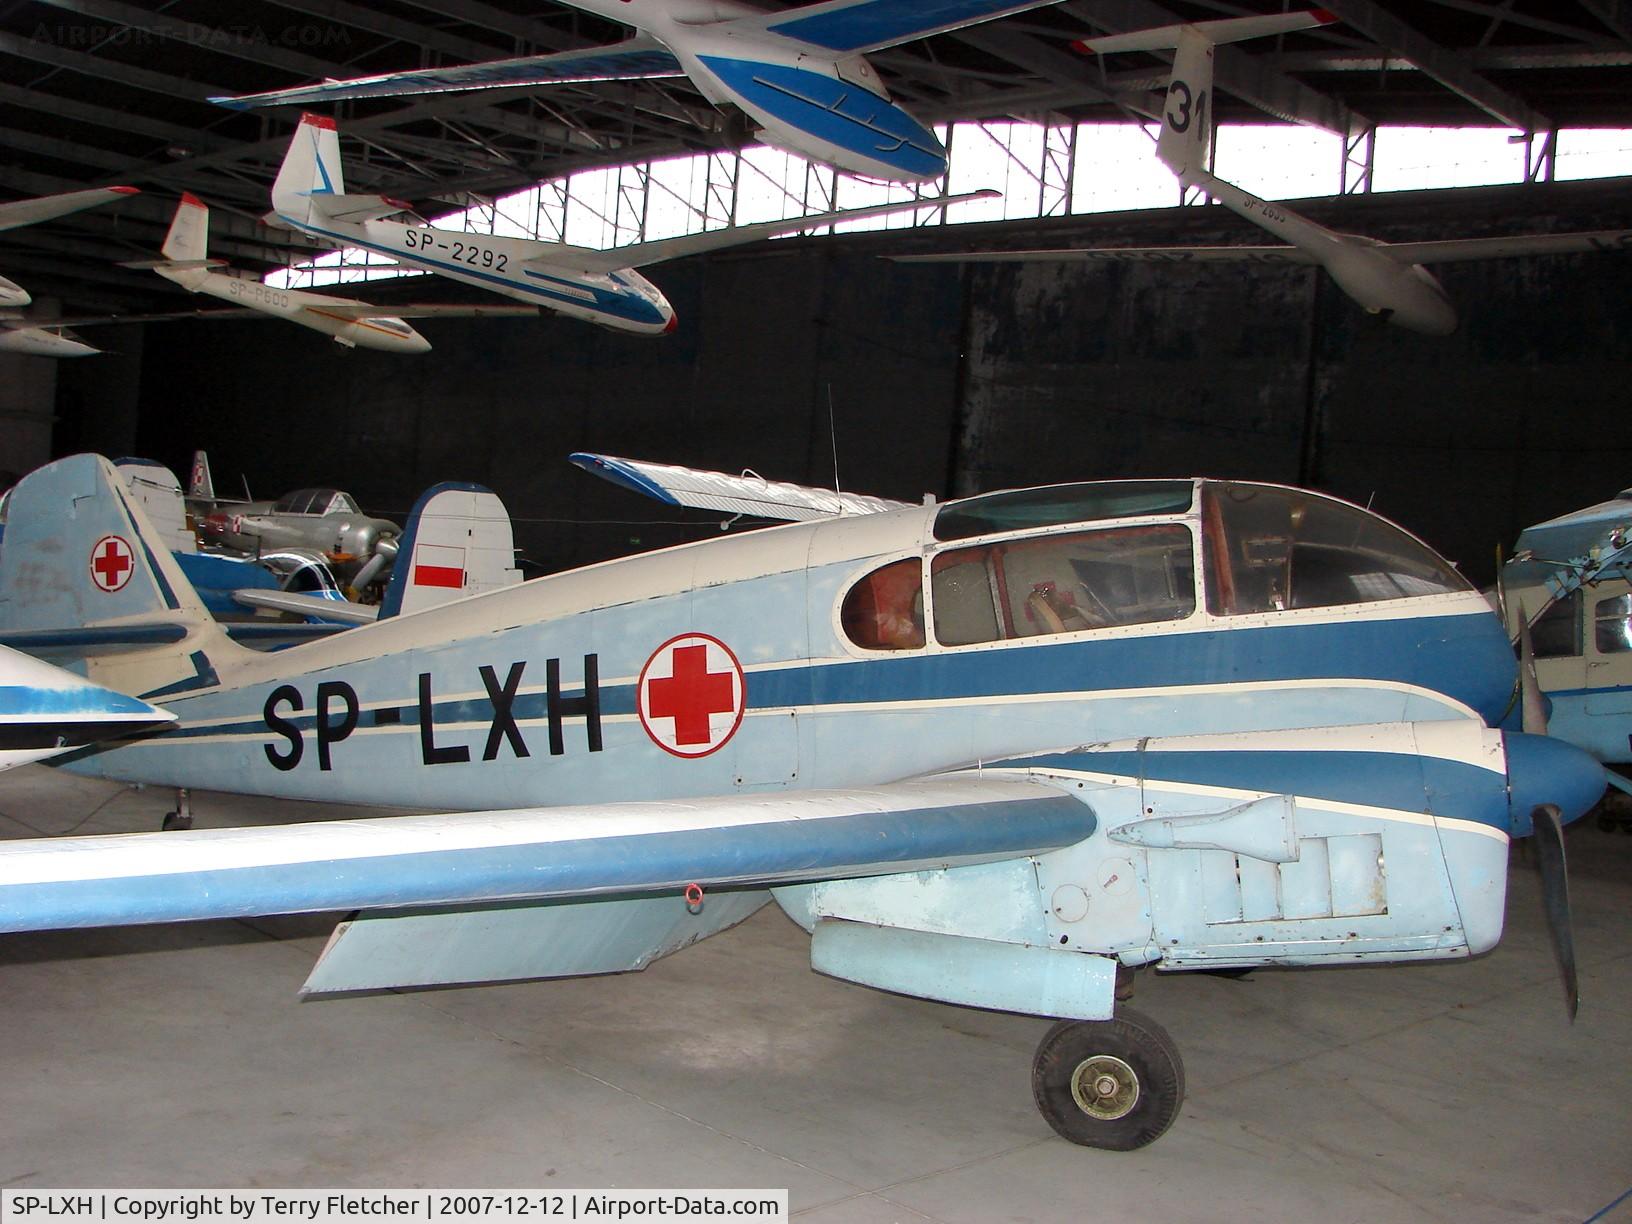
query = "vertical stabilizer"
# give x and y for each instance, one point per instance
(200, 484)
(85, 570)
(1187, 117)
(310, 167)
(457, 542)
(187, 244)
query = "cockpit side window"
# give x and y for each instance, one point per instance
(1613, 624)
(1271, 549)
(885, 610)
(1063, 584)
(1556, 633)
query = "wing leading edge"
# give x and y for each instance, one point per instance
(530, 854)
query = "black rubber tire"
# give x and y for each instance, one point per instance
(173, 821)
(1139, 1043)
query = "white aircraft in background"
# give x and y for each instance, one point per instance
(1386, 278)
(799, 73)
(18, 333)
(351, 323)
(602, 287)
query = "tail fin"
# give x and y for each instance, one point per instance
(1187, 118)
(85, 575)
(187, 244)
(457, 542)
(311, 167)
(200, 484)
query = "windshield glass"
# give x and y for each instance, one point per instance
(1269, 549)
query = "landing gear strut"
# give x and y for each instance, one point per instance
(1114, 1084)
(182, 817)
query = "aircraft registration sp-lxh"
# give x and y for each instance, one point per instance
(800, 73)
(598, 286)
(992, 752)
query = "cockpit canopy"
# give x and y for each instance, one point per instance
(315, 501)
(1135, 560)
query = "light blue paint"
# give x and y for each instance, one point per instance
(972, 972)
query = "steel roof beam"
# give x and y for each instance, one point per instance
(1450, 68)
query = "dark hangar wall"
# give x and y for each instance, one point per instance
(956, 378)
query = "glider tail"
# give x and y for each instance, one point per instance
(186, 245)
(86, 577)
(201, 484)
(311, 167)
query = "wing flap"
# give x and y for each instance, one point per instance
(631, 60)
(530, 854)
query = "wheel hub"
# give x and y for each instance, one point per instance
(1104, 1087)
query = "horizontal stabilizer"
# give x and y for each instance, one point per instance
(355, 209)
(643, 254)
(1201, 254)
(171, 265)
(632, 60)
(45, 710)
(341, 610)
(1224, 30)
(749, 493)
(531, 853)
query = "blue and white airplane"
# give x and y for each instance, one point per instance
(800, 73)
(598, 286)
(1570, 582)
(998, 752)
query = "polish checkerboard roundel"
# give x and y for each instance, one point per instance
(112, 563)
(691, 695)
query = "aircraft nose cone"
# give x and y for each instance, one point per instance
(1540, 770)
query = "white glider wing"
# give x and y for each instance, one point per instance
(746, 494)
(637, 58)
(644, 254)
(1197, 254)
(30, 212)
(531, 854)
(1506, 246)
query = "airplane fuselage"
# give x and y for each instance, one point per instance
(622, 300)
(726, 666)
(317, 311)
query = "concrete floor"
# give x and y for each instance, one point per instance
(179, 1056)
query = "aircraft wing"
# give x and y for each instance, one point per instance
(638, 57)
(853, 27)
(746, 494)
(29, 212)
(643, 254)
(1196, 254)
(343, 611)
(531, 853)
(427, 310)
(1454, 249)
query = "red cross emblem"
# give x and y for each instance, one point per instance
(112, 563)
(691, 695)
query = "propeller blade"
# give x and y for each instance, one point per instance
(1555, 896)
(1501, 588)
(1533, 706)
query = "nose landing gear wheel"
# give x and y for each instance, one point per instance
(1115, 1084)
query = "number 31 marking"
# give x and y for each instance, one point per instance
(1179, 92)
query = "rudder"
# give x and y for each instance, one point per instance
(310, 167)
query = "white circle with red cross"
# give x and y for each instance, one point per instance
(112, 563)
(691, 695)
